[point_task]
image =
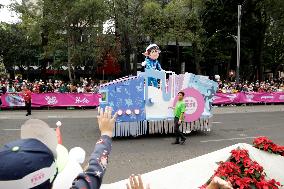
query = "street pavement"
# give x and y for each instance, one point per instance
(231, 125)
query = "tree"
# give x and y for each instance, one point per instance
(67, 26)
(220, 23)
(128, 31)
(16, 48)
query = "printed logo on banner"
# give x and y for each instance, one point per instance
(249, 97)
(15, 100)
(232, 97)
(267, 97)
(84, 100)
(51, 100)
(191, 105)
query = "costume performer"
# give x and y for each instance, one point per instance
(151, 62)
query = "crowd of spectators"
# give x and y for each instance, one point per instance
(91, 86)
(40, 86)
(275, 85)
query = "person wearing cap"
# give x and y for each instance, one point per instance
(27, 94)
(151, 62)
(30, 163)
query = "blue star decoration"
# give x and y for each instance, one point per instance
(128, 102)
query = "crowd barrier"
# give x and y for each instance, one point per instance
(90, 99)
(248, 98)
(51, 100)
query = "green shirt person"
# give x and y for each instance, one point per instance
(179, 110)
(179, 116)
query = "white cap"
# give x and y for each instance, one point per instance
(38, 129)
(150, 46)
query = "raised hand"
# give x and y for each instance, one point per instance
(106, 120)
(136, 183)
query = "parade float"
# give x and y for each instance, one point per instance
(144, 109)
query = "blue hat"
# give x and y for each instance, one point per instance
(25, 164)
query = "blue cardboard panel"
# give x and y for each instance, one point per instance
(124, 95)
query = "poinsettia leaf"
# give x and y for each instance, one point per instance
(257, 175)
(252, 186)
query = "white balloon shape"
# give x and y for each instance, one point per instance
(119, 112)
(136, 111)
(77, 154)
(65, 178)
(128, 112)
(62, 157)
(58, 123)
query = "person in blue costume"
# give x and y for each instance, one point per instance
(151, 62)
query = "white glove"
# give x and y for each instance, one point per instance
(143, 63)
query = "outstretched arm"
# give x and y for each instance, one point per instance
(92, 177)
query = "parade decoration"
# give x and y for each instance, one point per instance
(69, 166)
(151, 62)
(62, 159)
(144, 108)
(243, 173)
(258, 168)
(58, 132)
(51, 100)
(263, 143)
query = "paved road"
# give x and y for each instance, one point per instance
(231, 125)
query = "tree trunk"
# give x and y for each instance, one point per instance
(178, 57)
(258, 55)
(196, 59)
(69, 58)
(127, 52)
(135, 51)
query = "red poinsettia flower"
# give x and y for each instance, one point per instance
(280, 149)
(257, 167)
(271, 184)
(227, 168)
(274, 183)
(244, 173)
(247, 162)
(244, 183)
(239, 154)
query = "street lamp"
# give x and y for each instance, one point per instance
(238, 44)
(238, 41)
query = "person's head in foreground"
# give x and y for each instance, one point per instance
(30, 161)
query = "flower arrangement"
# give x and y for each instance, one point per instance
(263, 143)
(243, 173)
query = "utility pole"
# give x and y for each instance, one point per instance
(238, 44)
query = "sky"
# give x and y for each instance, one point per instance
(6, 15)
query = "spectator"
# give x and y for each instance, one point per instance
(80, 89)
(11, 88)
(17, 171)
(2, 89)
(216, 183)
(27, 94)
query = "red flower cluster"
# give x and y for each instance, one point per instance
(243, 173)
(263, 143)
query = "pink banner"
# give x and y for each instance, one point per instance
(52, 99)
(248, 97)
